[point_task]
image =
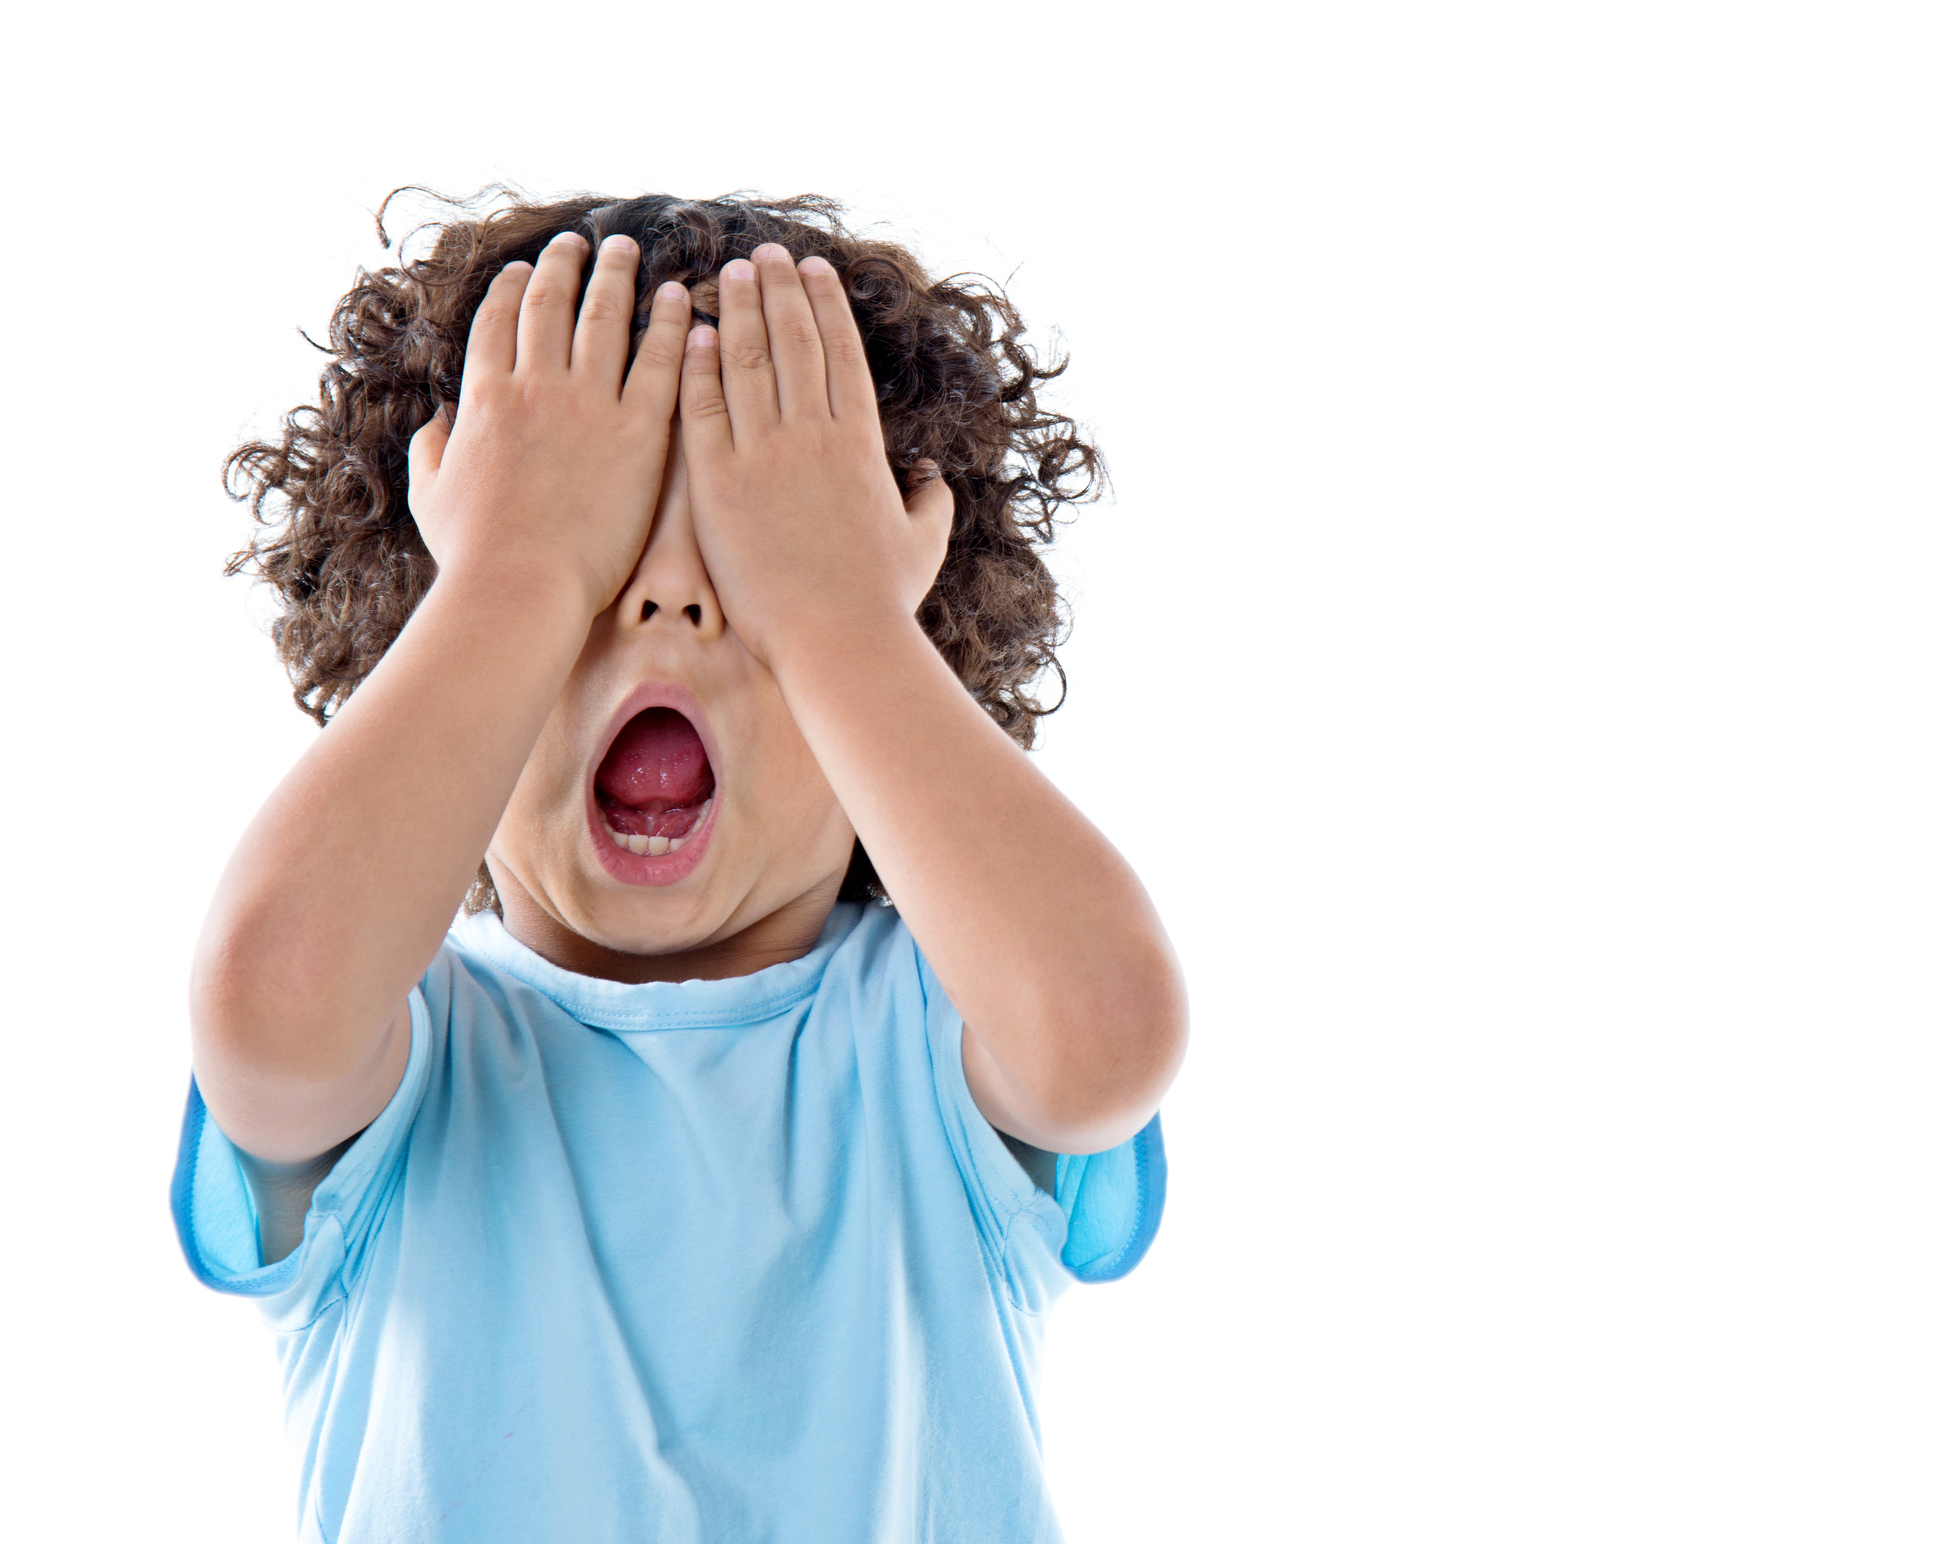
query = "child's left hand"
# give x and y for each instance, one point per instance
(1040, 934)
(795, 508)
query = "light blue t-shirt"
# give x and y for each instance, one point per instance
(710, 1260)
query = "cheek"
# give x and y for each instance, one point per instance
(799, 806)
(548, 795)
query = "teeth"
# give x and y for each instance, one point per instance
(656, 846)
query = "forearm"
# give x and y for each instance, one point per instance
(1039, 931)
(340, 890)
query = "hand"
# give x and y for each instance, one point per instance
(553, 463)
(795, 508)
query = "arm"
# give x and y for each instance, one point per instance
(1074, 1012)
(1037, 928)
(536, 505)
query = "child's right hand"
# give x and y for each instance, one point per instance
(536, 502)
(554, 462)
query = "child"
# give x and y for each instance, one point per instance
(675, 1192)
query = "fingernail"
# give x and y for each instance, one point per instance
(740, 268)
(816, 265)
(616, 243)
(701, 337)
(673, 289)
(571, 236)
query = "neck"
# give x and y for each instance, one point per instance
(786, 933)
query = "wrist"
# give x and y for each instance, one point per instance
(532, 588)
(851, 643)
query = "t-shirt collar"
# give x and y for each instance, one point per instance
(650, 1005)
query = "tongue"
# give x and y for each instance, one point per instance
(658, 758)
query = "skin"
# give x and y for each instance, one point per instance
(719, 518)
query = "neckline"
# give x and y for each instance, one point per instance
(652, 1005)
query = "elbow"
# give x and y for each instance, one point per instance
(280, 1077)
(230, 1005)
(260, 1007)
(219, 993)
(1120, 1046)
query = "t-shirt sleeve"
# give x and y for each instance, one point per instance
(1111, 1201)
(215, 1217)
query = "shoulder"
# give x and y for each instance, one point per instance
(479, 977)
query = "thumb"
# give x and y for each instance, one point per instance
(421, 474)
(930, 506)
(428, 453)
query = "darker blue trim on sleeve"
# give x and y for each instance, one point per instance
(258, 1282)
(181, 1190)
(1149, 1177)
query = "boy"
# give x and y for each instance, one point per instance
(675, 1194)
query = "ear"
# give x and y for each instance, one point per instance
(931, 507)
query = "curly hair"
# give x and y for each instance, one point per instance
(954, 384)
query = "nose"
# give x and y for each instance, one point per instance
(670, 585)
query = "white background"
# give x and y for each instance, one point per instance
(1509, 658)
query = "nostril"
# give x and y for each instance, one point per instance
(649, 609)
(694, 614)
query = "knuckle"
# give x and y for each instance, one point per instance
(800, 333)
(483, 399)
(658, 353)
(745, 356)
(599, 308)
(702, 406)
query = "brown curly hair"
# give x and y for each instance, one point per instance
(954, 383)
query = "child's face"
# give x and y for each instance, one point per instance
(762, 855)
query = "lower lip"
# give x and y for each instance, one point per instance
(641, 868)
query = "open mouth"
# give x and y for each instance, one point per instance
(654, 789)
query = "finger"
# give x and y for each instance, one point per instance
(654, 382)
(852, 394)
(706, 429)
(606, 313)
(427, 452)
(546, 309)
(747, 371)
(801, 381)
(495, 324)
